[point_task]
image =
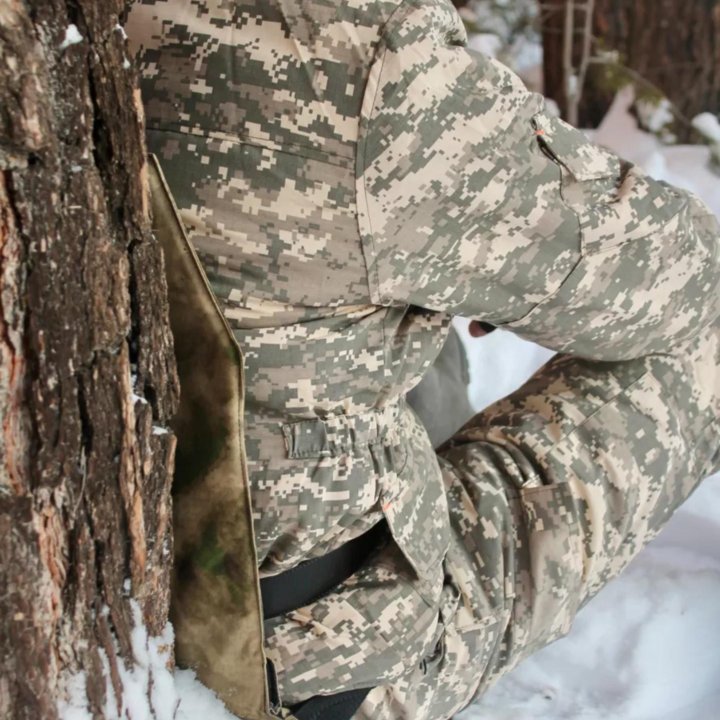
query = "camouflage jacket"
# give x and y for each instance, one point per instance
(351, 177)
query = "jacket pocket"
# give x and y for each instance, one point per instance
(615, 202)
(590, 180)
(579, 159)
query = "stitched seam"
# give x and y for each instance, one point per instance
(253, 141)
(362, 156)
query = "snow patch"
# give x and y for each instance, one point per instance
(708, 125)
(198, 701)
(656, 115)
(74, 705)
(72, 37)
(486, 43)
(148, 685)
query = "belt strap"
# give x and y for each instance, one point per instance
(307, 582)
(331, 707)
(314, 578)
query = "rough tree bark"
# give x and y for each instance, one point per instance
(87, 377)
(674, 44)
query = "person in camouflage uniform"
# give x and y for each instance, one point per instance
(351, 176)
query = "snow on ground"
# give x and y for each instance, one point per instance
(198, 702)
(686, 166)
(149, 688)
(648, 646)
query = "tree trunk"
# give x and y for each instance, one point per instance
(87, 376)
(673, 44)
(552, 19)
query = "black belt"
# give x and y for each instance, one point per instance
(341, 706)
(307, 582)
(314, 578)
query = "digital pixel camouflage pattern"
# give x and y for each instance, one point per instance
(351, 176)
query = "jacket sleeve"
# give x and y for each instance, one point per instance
(473, 200)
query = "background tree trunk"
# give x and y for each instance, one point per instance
(674, 44)
(552, 19)
(87, 377)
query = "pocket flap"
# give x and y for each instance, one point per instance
(571, 149)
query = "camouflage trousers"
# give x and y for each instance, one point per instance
(551, 492)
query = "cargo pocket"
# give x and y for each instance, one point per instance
(585, 184)
(614, 202)
(640, 261)
(578, 157)
(415, 506)
(590, 176)
(462, 648)
(544, 578)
